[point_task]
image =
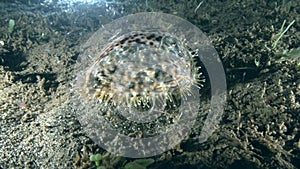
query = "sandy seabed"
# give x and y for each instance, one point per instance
(261, 122)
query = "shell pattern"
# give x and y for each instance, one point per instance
(138, 82)
(141, 69)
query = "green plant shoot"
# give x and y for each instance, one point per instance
(11, 25)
